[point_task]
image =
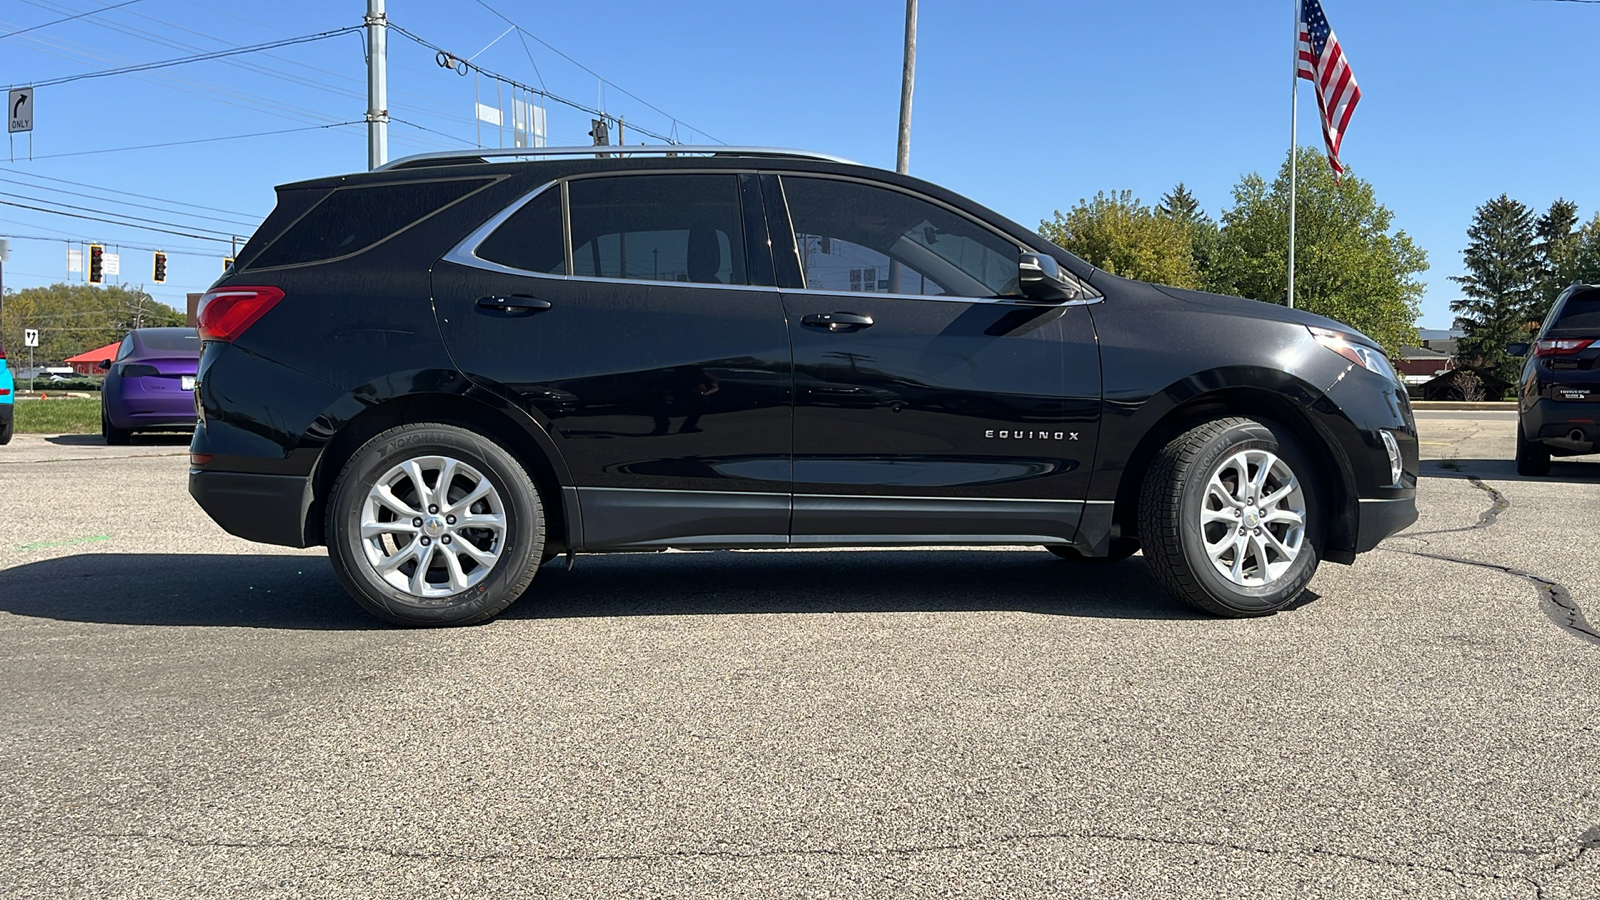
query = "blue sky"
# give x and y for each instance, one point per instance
(1026, 107)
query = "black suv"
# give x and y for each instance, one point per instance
(1558, 399)
(457, 368)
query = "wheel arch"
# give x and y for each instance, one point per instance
(524, 437)
(1313, 435)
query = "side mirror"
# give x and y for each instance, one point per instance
(1520, 348)
(104, 364)
(1040, 278)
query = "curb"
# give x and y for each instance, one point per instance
(1502, 405)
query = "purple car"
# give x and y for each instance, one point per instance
(150, 385)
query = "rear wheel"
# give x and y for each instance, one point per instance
(1229, 518)
(1533, 457)
(7, 428)
(432, 524)
(113, 435)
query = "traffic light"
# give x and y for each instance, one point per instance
(601, 132)
(160, 276)
(97, 264)
(227, 263)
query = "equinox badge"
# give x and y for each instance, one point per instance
(1032, 435)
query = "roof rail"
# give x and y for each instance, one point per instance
(487, 153)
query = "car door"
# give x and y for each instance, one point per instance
(931, 400)
(642, 337)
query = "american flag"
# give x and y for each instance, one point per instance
(1322, 63)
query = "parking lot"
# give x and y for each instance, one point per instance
(192, 715)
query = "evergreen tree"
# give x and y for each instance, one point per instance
(1179, 204)
(1559, 243)
(1501, 286)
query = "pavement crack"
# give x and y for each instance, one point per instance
(1488, 517)
(1554, 599)
(909, 849)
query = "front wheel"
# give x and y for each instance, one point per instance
(432, 524)
(1229, 518)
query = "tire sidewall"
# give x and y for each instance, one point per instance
(1269, 597)
(523, 541)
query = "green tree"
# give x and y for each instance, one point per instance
(1204, 235)
(1350, 265)
(1123, 236)
(1560, 240)
(72, 318)
(1501, 286)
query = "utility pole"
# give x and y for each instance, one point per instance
(902, 162)
(377, 85)
(902, 158)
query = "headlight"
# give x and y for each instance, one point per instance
(1369, 358)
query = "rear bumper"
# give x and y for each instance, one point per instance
(152, 412)
(1377, 519)
(1553, 423)
(269, 509)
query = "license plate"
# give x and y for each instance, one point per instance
(188, 382)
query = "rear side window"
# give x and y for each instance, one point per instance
(1580, 311)
(531, 239)
(163, 340)
(354, 218)
(658, 228)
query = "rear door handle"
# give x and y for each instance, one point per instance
(514, 305)
(839, 321)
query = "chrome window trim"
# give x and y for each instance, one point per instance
(465, 253)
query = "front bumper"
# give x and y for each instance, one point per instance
(269, 509)
(1377, 519)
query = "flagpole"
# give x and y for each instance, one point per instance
(1294, 142)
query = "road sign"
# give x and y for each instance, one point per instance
(30, 337)
(19, 110)
(74, 259)
(113, 264)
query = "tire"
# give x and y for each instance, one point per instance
(1121, 549)
(401, 572)
(7, 429)
(1533, 457)
(116, 437)
(1181, 514)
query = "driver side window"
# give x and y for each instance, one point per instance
(855, 237)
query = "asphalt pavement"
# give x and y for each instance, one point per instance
(190, 715)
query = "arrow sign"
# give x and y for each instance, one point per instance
(19, 110)
(30, 337)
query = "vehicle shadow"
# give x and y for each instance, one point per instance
(301, 592)
(162, 439)
(1582, 470)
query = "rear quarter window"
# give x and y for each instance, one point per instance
(1580, 311)
(351, 219)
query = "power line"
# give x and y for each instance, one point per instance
(463, 66)
(200, 57)
(134, 225)
(94, 187)
(41, 187)
(68, 19)
(230, 137)
(110, 212)
(520, 30)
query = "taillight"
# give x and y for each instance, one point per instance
(1561, 347)
(225, 313)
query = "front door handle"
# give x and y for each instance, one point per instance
(839, 321)
(514, 305)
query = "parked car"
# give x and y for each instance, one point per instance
(149, 385)
(763, 349)
(1558, 397)
(8, 395)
